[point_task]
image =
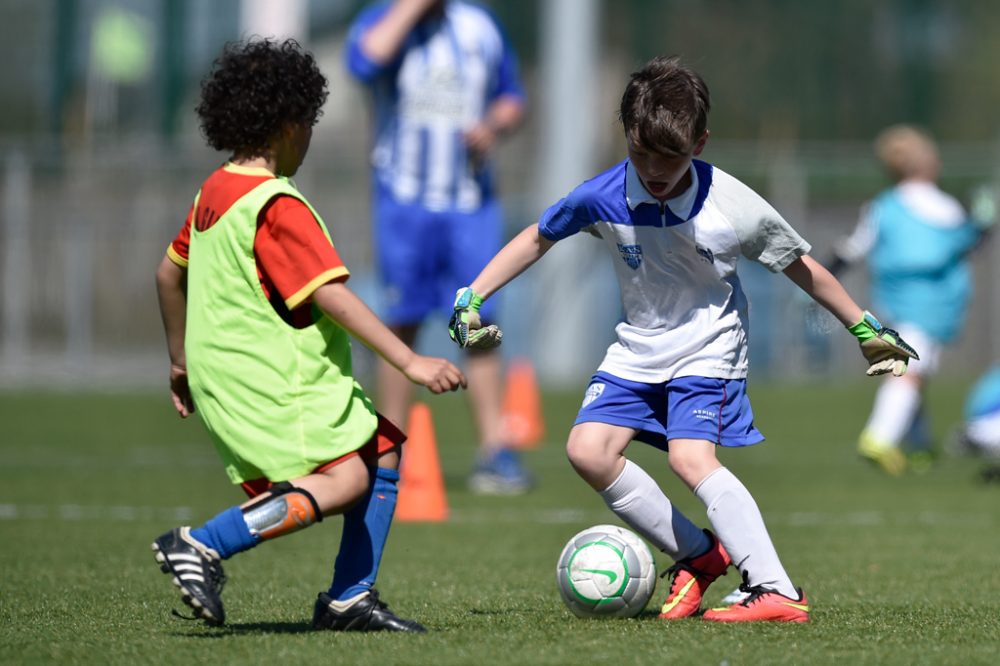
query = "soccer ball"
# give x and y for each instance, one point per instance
(606, 571)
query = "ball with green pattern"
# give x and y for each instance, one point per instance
(606, 571)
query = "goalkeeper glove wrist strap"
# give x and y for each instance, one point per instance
(469, 299)
(867, 328)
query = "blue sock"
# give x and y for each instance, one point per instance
(227, 533)
(366, 528)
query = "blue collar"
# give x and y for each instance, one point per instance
(679, 209)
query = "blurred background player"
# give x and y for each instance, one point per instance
(676, 377)
(445, 88)
(979, 433)
(257, 318)
(916, 239)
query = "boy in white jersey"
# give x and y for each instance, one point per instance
(676, 377)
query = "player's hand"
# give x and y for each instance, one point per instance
(465, 327)
(480, 140)
(882, 347)
(180, 391)
(437, 374)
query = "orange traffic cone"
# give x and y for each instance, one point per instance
(421, 484)
(522, 408)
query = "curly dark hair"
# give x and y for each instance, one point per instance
(256, 88)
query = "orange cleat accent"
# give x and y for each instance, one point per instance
(763, 605)
(691, 577)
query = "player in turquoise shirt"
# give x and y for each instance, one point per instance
(916, 239)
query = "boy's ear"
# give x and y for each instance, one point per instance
(700, 144)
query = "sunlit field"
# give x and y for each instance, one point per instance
(899, 571)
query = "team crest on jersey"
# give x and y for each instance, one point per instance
(594, 392)
(632, 254)
(705, 253)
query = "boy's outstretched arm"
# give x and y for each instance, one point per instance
(882, 347)
(825, 289)
(465, 327)
(171, 288)
(339, 303)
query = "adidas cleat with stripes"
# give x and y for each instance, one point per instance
(197, 573)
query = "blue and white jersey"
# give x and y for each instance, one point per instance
(916, 237)
(685, 311)
(446, 75)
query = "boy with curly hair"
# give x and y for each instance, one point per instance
(676, 378)
(257, 317)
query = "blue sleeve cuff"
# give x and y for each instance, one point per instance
(361, 66)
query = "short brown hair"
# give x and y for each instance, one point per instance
(665, 106)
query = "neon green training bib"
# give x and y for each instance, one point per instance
(278, 401)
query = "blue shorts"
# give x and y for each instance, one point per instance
(717, 410)
(425, 256)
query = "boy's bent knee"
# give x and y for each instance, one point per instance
(593, 460)
(287, 509)
(584, 452)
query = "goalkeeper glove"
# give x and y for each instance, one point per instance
(465, 328)
(882, 347)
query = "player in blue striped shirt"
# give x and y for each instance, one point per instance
(445, 88)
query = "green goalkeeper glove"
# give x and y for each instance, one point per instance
(884, 350)
(465, 328)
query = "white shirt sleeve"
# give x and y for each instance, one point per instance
(764, 235)
(854, 247)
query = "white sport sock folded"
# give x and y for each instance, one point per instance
(636, 498)
(896, 404)
(740, 527)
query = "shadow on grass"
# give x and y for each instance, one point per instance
(245, 628)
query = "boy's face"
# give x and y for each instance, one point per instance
(291, 148)
(663, 176)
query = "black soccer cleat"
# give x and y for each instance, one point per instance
(197, 572)
(367, 613)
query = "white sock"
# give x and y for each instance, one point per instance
(638, 501)
(740, 527)
(896, 404)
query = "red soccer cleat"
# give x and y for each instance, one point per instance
(763, 605)
(691, 577)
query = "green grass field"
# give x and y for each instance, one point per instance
(899, 571)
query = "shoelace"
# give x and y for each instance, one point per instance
(676, 568)
(381, 605)
(755, 591)
(179, 615)
(216, 577)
